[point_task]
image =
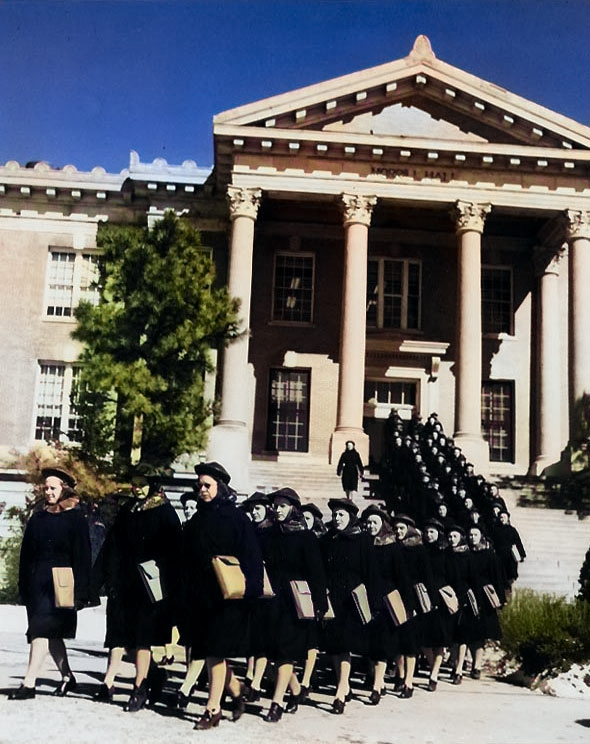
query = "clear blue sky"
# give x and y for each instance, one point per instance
(86, 81)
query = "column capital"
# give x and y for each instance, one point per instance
(576, 223)
(469, 216)
(546, 259)
(357, 208)
(243, 202)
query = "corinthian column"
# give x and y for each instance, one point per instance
(578, 237)
(357, 212)
(229, 442)
(548, 440)
(469, 224)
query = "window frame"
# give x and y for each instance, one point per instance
(78, 291)
(508, 270)
(67, 413)
(273, 308)
(380, 294)
(510, 424)
(270, 444)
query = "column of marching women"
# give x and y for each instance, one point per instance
(329, 603)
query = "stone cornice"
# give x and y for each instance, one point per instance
(469, 216)
(243, 202)
(357, 208)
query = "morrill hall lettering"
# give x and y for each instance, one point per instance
(416, 173)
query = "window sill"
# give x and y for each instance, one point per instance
(290, 324)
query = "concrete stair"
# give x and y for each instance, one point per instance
(315, 481)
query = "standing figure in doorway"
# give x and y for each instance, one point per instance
(350, 469)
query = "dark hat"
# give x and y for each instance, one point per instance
(346, 504)
(434, 523)
(403, 518)
(214, 469)
(188, 496)
(313, 509)
(149, 472)
(61, 474)
(378, 511)
(349, 441)
(256, 498)
(288, 494)
(456, 528)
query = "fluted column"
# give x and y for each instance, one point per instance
(357, 210)
(548, 363)
(229, 442)
(578, 237)
(469, 224)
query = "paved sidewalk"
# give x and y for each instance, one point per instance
(482, 712)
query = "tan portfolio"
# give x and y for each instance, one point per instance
(492, 595)
(150, 575)
(361, 600)
(395, 605)
(230, 576)
(449, 597)
(303, 600)
(63, 587)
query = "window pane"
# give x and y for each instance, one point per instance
(49, 402)
(496, 300)
(413, 319)
(89, 287)
(497, 404)
(288, 424)
(372, 293)
(74, 426)
(393, 296)
(61, 284)
(293, 288)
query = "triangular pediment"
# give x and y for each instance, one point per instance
(418, 96)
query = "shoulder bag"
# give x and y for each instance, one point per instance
(230, 576)
(395, 605)
(63, 586)
(150, 575)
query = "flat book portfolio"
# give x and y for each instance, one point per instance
(395, 605)
(303, 601)
(330, 611)
(63, 587)
(361, 600)
(423, 597)
(449, 597)
(267, 590)
(473, 602)
(492, 595)
(150, 574)
(230, 576)
(516, 553)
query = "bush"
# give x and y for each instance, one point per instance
(544, 633)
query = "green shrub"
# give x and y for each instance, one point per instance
(544, 633)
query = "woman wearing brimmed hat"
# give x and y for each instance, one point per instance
(349, 562)
(461, 572)
(219, 628)
(55, 536)
(390, 574)
(419, 576)
(146, 531)
(291, 553)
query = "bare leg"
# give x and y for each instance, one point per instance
(142, 664)
(57, 649)
(410, 669)
(115, 661)
(461, 651)
(294, 685)
(232, 683)
(310, 662)
(342, 666)
(284, 674)
(379, 675)
(477, 657)
(259, 669)
(217, 670)
(37, 653)
(250, 668)
(436, 662)
(194, 668)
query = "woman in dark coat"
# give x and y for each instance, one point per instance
(348, 560)
(508, 546)
(438, 626)
(55, 536)
(461, 573)
(220, 628)
(350, 469)
(486, 573)
(390, 574)
(146, 528)
(291, 553)
(418, 574)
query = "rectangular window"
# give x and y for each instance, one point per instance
(288, 418)
(496, 300)
(71, 277)
(293, 288)
(497, 413)
(393, 293)
(399, 393)
(55, 416)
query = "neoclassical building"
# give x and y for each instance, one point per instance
(406, 238)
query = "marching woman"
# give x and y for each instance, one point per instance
(461, 573)
(55, 537)
(291, 554)
(390, 574)
(143, 543)
(219, 628)
(488, 587)
(508, 546)
(419, 576)
(438, 626)
(348, 560)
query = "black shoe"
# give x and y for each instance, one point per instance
(104, 694)
(457, 679)
(68, 684)
(406, 692)
(252, 695)
(155, 684)
(208, 720)
(22, 693)
(476, 674)
(181, 700)
(293, 703)
(348, 697)
(398, 684)
(304, 694)
(338, 707)
(375, 697)
(274, 714)
(238, 707)
(138, 698)
(432, 685)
